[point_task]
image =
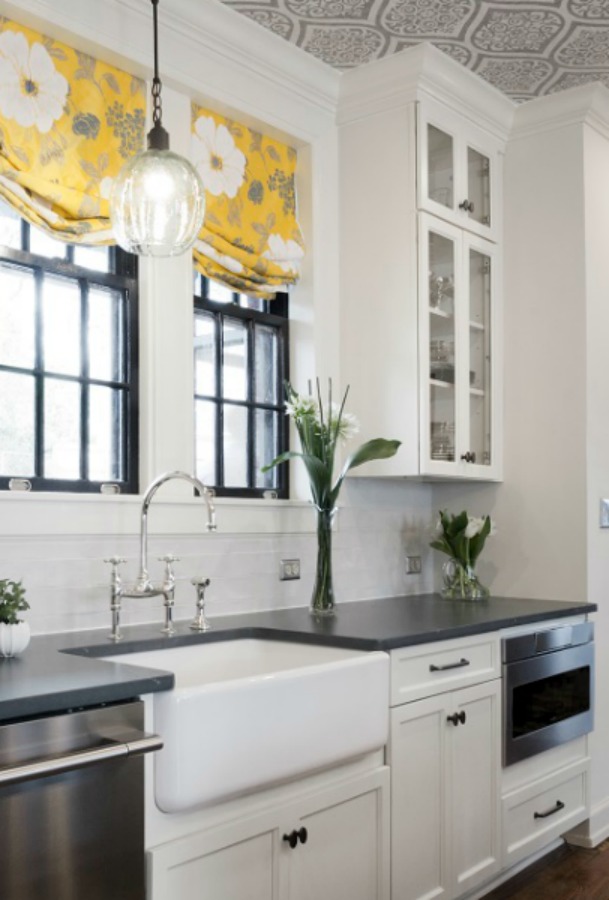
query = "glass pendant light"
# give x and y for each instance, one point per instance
(157, 203)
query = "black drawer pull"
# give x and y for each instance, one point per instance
(293, 837)
(457, 665)
(550, 812)
(457, 717)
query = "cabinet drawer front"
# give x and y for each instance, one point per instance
(536, 815)
(443, 666)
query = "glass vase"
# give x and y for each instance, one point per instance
(461, 582)
(322, 601)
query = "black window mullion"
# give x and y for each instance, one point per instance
(252, 394)
(84, 374)
(39, 377)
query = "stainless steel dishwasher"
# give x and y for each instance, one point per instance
(72, 805)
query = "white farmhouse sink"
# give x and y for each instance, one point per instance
(249, 713)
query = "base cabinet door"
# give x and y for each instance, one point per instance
(346, 854)
(445, 816)
(332, 844)
(239, 860)
(474, 785)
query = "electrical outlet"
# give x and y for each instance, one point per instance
(289, 569)
(413, 565)
(604, 518)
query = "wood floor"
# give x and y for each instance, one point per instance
(569, 873)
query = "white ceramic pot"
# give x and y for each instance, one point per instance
(14, 638)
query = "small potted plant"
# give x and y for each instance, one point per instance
(14, 632)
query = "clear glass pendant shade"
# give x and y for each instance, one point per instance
(157, 204)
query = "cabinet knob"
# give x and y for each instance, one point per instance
(467, 206)
(469, 457)
(293, 837)
(457, 717)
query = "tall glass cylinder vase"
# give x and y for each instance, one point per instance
(322, 601)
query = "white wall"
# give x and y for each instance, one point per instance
(57, 544)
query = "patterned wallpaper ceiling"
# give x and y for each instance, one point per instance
(524, 47)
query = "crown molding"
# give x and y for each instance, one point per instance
(584, 105)
(219, 57)
(418, 72)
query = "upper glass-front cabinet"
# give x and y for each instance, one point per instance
(458, 174)
(458, 318)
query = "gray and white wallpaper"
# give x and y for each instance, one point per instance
(524, 48)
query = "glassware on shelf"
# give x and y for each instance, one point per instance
(443, 441)
(441, 287)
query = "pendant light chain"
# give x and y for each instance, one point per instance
(157, 109)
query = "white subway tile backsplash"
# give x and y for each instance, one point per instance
(67, 581)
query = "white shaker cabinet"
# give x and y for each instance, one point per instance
(444, 754)
(332, 842)
(420, 276)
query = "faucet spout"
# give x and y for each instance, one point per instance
(143, 583)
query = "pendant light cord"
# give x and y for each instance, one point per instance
(156, 81)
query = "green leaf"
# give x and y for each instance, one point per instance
(377, 448)
(283, 457)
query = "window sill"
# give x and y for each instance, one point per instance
(26, 514)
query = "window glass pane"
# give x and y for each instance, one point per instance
(235, 446)
(95, 258)
(43, 244)
(267, 442)
(106, 360)
(218, 293)
(257, 303)
(266, 364)
(235, 360)
(105, 427)
(205, 441)
(205, 354)
(17, 323)
(61, 325)
(61, 429)
(10, 227)
(17, 429)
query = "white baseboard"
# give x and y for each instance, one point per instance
(514, 870)
(594, 830)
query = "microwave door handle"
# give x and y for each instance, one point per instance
(80, 759)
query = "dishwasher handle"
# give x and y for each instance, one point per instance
(80, 759)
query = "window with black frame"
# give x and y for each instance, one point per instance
(241, 362)
(68, 363)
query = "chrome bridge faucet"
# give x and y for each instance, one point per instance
(143, 586)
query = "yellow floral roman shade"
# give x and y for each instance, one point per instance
(68, 122)
(250, 240)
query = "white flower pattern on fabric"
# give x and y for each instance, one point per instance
(232, 265)
(32, 91)
(219, 162)
(286, 254)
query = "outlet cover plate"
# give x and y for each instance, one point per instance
(413, 565)
(289, 569)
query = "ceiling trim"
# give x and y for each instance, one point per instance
(393, 81)
(584, 105)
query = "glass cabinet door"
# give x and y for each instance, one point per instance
(480, 447)
(440, 166)
(457, 349)
(459, 170)
(441, 311)
(478, 198)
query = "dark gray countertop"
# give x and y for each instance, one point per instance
(63, 671)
